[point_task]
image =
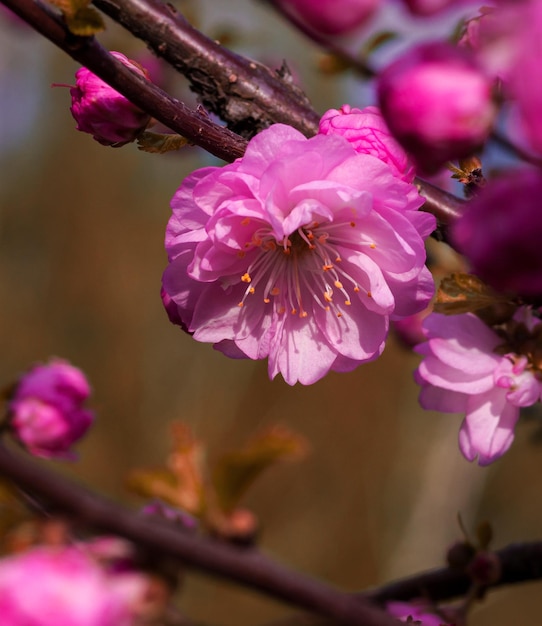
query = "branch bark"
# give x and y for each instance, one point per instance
(246, 94)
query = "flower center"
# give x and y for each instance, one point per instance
(527, 343)
(303, 269)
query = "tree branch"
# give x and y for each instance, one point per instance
(197, 128)
(246, 566)
(245, 94)
(346, 57)
(171, 36)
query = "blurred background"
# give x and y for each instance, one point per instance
(81, 258)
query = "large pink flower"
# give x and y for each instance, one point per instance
(462, 373)
(301, 251)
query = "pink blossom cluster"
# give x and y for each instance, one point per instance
(508, 42)
(301, 251)
(46, 409)
(415, 613)
(66, 587)
(103, 112)
(469, 368)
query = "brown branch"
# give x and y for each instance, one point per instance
(196, 127)
(167, 31)
(247, 95)
(520, 563)
(246, 566)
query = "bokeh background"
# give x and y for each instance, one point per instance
(81, 257)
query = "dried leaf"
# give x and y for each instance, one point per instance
(85, 22)
(484, 534)
(463, 293)
(236, 471)
(181, 482)
(376, 41)
(158, 143)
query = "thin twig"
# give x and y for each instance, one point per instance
(345, 56)
(514, 149)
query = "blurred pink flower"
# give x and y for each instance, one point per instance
(331, 17)
(368, 133)
(437, 103)
(46, 409)
(103, 112)
(65, 587)
(462, 373)
(301, 251)
(432, 7)
(418, 613)
(501, 230)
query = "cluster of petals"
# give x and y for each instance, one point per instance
(66, 587)
(461, 372)
(331, 17)
(301, 251)
(501, 230)
(437, 102)
(368, 133)
(102, 111)
(46, 409)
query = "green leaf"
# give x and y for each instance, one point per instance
(463, 293)
(85, 22)
(158, 143)
(236, 471)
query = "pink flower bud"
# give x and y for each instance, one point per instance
(331, 17)
(500, 233)
(437, 103)
(368, 133)
(103, 112)
(414, 612)
(46, 413)
(61, 587)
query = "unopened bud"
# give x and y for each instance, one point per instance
(46, 409)
(103, 112)
(437, 103)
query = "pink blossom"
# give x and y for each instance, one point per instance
(301, 251)
(65, 587)
(461, 372)
(437, 103)
(332, 17)
(46, 409)
(501, 230)
(417, 613)
(103, 112)
(432, 7)
(368, 133)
